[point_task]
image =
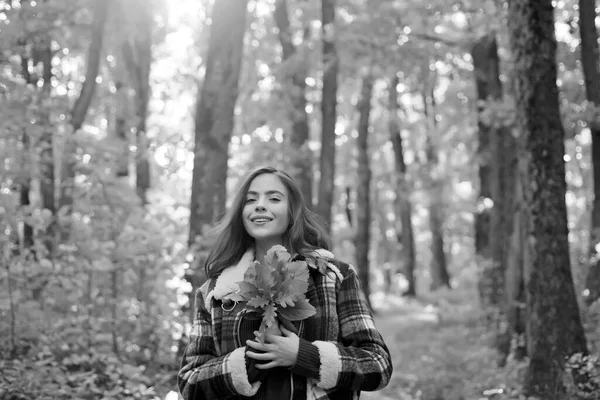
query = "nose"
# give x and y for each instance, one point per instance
(260, 205)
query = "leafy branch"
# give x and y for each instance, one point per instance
(276, 289)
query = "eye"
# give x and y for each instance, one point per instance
(248, 200)
(275, 199)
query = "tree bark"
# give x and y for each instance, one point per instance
(590, 57)
(554, 328)
(362, 235)
(487, 82)
(494, 225)
(214, 118)
(78, 114)
(47, 163)
(295, 88)
(514, 278)
(137, 54)
(438, 268)
(402, 204)
(328, 112)
(121, 128)
(25, 182)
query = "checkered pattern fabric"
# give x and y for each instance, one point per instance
(353, 356)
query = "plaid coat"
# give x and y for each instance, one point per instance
(353, 356)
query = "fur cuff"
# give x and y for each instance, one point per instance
(331, 364)
(236, 365)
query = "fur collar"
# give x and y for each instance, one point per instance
(227, 281)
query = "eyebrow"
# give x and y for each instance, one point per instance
(251, 192)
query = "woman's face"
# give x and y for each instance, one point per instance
(266, 210)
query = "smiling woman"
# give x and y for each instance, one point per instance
(332, 352)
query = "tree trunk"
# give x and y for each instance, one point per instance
(328, 112)
(362, 235)
(25, 182)
(46, 160)
(295, 88)
(494, 225)
(348, 206)
(438, 268)
(137, 54)
(214, 118)
(590, 57)
(514, 278)
(121, 128)
(554, 328)
(402, 204)
(79, 113)
(487, 82)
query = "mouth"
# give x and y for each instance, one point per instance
(260, 220)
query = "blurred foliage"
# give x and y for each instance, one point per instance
(106, 315)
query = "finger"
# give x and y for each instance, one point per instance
(260, 356)
(268, 365)
(256, 345)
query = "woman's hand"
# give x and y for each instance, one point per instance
(279, 351)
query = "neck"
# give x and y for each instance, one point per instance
(261, 248)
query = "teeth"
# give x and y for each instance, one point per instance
(261, 220)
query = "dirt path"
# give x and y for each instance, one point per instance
(400, 321)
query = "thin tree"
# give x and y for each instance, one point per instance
(294, 92)
(362, 236)
(554, 330)
(24, 183)
(494, 225)
(402, 204)
(79, 112)
(487, 83)
(137, 54)
(438, 268)
(328, 111)
(46, 148)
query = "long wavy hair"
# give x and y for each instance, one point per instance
(305, 233)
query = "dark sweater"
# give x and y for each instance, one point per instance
(276, 382)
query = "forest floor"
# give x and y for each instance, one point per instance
(439, 349)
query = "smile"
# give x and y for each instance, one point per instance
(261, 220)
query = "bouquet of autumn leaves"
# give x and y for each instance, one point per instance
(275, 290)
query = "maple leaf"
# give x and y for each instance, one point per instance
(293, 287)
(264, 278)
(270, 314)
(279, 278)
(279, 252)
(258, 302)
(247, 290)
(285, 301)
(250, 274)
(296, 270)
(302, 309)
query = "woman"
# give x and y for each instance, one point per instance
(334, 354)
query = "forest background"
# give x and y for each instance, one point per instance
(451, 146)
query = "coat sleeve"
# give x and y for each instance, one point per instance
(205, 374)
(361, 360)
